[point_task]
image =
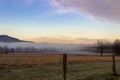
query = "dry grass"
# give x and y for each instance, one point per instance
(81, 67)
(21, 59)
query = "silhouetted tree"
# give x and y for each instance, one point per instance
(1, 50)
(116, 47)
(115, 51)
(101, 45)
(12, 50)
(6, 50)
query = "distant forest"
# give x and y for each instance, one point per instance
(6, 50)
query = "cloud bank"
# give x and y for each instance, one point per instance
(64, 40)
(102, 9)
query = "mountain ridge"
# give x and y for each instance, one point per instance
(6, 38)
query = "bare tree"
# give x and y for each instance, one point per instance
(115, 51)
(101, 44)
(1, 50)
(116, 47)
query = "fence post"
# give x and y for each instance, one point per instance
(64, 66)
(113, 65)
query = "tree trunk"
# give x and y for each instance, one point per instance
(64, 66)
(114, 65)
(101, 53)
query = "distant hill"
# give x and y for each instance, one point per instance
(6, 38)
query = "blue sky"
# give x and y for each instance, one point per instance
(50, 21)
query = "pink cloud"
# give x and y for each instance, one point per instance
(103, 9)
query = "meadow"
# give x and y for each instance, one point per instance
(49, 67)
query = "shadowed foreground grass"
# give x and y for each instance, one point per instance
(77, 70)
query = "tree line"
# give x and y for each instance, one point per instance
(113, 48)
(103, 46)
(7, 50)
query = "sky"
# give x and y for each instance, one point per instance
(60, 21)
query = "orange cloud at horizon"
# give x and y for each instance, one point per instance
(64, 40)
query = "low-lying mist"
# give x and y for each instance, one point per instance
(55, 47)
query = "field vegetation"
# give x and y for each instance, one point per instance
(49, 67)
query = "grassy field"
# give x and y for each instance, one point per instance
(49, 67)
